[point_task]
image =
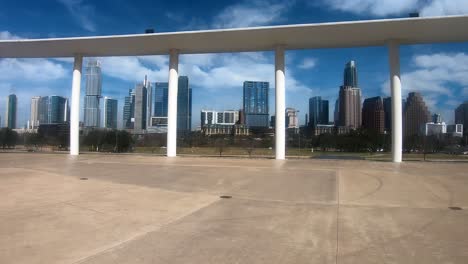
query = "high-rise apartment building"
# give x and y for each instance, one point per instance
(318, 111)
(461, 116)
(93, 94)
(415, 115)
(110, 112)
(350, 98)
(373, 114)
(34, 117)
(255, 103)
(11, 111)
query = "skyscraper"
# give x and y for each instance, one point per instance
(415, 115)
(336, 113)
(255, 104)
(140, 112)
(373, 115)
(34, 118)
(52, 110)
(11, 111)
(350, 98)
(159, 100)
(129, 110)
(318, 111)
(387, 104)
(93, 94)
(461, 116)
(184, 106)
(160, 95)
(110, 112)
(350, 75)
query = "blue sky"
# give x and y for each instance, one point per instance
(439, 71)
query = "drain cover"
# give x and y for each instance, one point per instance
(225, 197)
(455, 208)
(84, 179)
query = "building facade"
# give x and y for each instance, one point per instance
(350, 107)
(110, 112)
(435, 129)
(461, 116)
(93, 94)
(415, 115)
(318, 111)
(211, 117)
(255, 104)
(373, 115)
(11, 111)
(455, 130)
(292, 120)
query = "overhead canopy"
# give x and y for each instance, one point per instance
(305, 36)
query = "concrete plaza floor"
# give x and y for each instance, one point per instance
(142, 209)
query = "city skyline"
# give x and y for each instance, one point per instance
(153, 104)
(437, 71)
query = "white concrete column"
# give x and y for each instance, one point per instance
(397, 115)
(75, 107)
(280, 104)
(172, 103)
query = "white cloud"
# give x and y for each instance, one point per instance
(81, 12)
(434, 76)
(445, 7)
(308, 63)
(252, 13)
(381, 8)
(374, 7)
(6, 35)
(132, 68)
(36, 70)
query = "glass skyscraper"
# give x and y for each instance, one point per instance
(53, 110)
(318, 111)
(110, 113)
(129, 110)
(184, 105)
(350, 74)
(93, 94)
(160, 99)
(11, 111)
(255, 103)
